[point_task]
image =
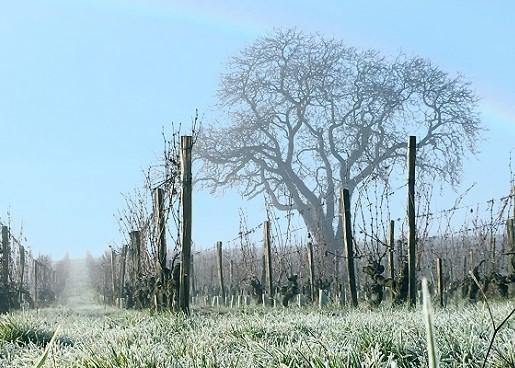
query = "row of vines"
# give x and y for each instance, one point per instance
(460, 250)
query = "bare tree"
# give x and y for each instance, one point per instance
(309, 115)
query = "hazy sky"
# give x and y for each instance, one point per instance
(86, 86)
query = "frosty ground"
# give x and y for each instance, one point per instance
(94, 336)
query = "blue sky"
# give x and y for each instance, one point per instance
(86, 86)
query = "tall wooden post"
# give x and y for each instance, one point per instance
(193, 290)
(231, 276)
(412, 279)
(511, 236)
(36, 269)
(336, 273)
(104, 266)
(391, 250)
(122, 270)
(472, 261)
(439, 277)
(511, 244)
(186, 176)
(22, 273)
(391, 254)
(6, 252)
(220, 269)
(136, 255)
(348, 244)
(311, 263)
(159, 216)
(113, 276)
(268, 259)
(263, 270)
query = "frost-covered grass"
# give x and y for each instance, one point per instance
(258, 338)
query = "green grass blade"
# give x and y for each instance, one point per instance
(44, 357)
(428, 319)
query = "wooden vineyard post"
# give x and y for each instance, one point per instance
(135, 255)
(336, 279)
(220, 269)
(122, 271)
(231, 277)
(412, 278)
(263, 270)
(311, 264)
(511, 239)
(268, 259)
(186, 204)
(36, 283)
(513, 232)
(439, 278)
(511, 236)
(22, 273)
(193, 290)
(160, 225)
(391, 251)
(104, 269)
(348, 244)
(472, 262)
(113, 276)
(6, 252)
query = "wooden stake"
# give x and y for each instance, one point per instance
(472, 261)
(391, 243)
(159, 216)
(412, 280)
(22, 272)
(311, 264)
(231, 276)
(6, 252)
(220, 268)
(439, 277)
(122, 270)
(268, 258)
(193, 289)
(186, 204)
(113, 277)
(336, 271)
(135, 237)
(511, 235)
(391, 252)
(345, 211)
(36, 263)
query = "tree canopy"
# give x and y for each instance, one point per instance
(308, 115)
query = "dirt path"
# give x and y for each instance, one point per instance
(78, 291)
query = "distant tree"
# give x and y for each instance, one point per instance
(309, 115)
